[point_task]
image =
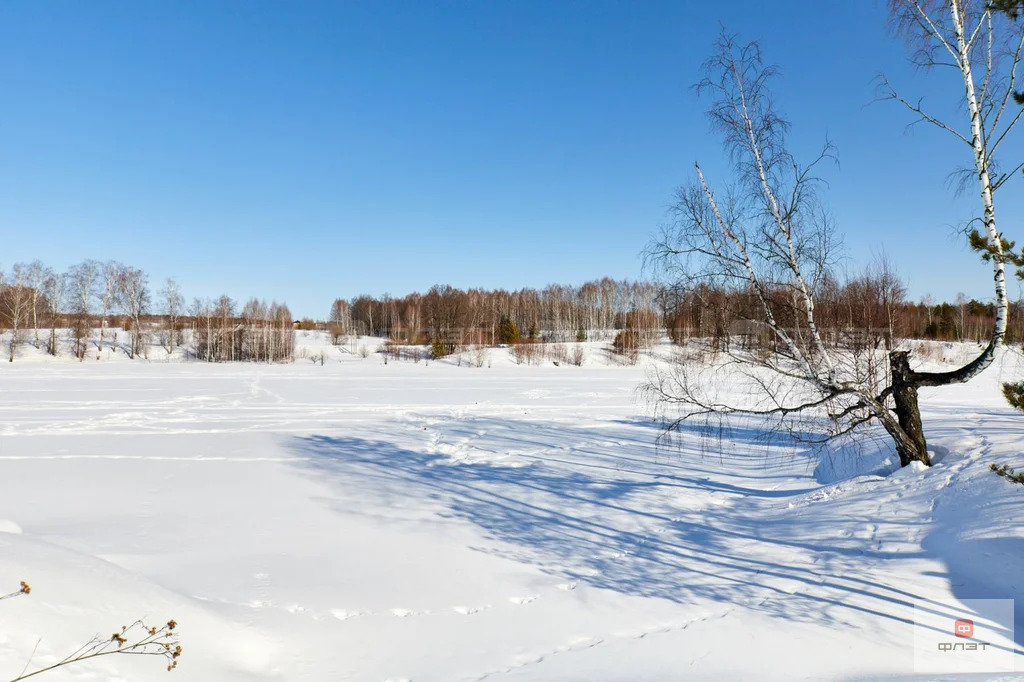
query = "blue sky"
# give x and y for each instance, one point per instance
(304, 151)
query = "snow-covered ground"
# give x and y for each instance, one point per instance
(425, 521)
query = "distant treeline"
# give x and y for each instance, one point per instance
(108, 305)
(868, 311)
(479, 316)
(91, 300)
(870, 307)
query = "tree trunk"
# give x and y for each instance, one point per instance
(912, 446)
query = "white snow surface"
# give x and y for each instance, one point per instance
(433, 522)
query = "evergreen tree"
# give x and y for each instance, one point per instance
(508, 332)
(438, 348)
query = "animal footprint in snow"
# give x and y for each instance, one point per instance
(405, 613)
(470, 610)
(523, 600)
(568, 587)
(345, 614)
(584, 642)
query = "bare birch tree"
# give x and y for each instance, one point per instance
(112, 273)
(35, 273)
(82, 288)
(767, 240)
(54, 290)
(766, 237)
(982, 46)
(17, 300)
(133, 294)
(174, 305)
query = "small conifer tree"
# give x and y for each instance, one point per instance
(508, 332)
(581, 335)
(438, 347)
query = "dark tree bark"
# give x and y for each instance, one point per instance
(910, 445)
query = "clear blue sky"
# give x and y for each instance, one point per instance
(310, 150)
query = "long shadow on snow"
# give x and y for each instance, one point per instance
(589, 516)
(969, 534)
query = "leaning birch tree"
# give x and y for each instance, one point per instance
(981, 44)
(766, 239)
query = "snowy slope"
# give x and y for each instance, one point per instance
(362, 521)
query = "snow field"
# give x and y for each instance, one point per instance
(358, 521)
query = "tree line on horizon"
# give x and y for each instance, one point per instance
(95, 306)
(870, 307)
(93, 302)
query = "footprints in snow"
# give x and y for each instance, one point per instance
(402, 613)
(470, 610)
(579, 643)
(345, 614)
(405, 613)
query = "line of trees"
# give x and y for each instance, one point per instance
(110, 306)
(455, 317)
(260, 332)
(869, 308)
(97, 305)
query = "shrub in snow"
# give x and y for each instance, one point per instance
(627, 345)
(528, 353)
(578, 355)
(137, 639)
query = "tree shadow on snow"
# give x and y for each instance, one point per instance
(608, 507)
(974, 531)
